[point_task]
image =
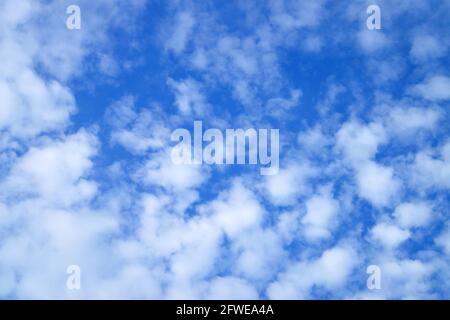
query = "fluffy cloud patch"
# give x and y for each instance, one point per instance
(329, 271)
(435, 88)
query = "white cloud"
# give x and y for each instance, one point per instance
(236, 210)
(297, 14)
(443, 239)
(46, 197)
(385, 71)
(389, 235)
(329, 271)
(431, 169)
(37, 102)
(372, 41)
(259, 253)
(224, 288)
(435, 88)
(133, 281)
(409, 215)
(360, 142)
(46, 192)
(138, 131)
(30, 106)
(426, 47)
(280, 106)
(402, 278)
(314, 140)
(377, 184)
(406, 278)
(285, 187)
(189, 98)
(182, 29)
(320, 213)
(159, 170)
(407, 121)
(108, 66)
(55, 170)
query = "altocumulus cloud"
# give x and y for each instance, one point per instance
(86, 176)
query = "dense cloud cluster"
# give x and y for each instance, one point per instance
(86, 176)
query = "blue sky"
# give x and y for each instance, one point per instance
(86, 177)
